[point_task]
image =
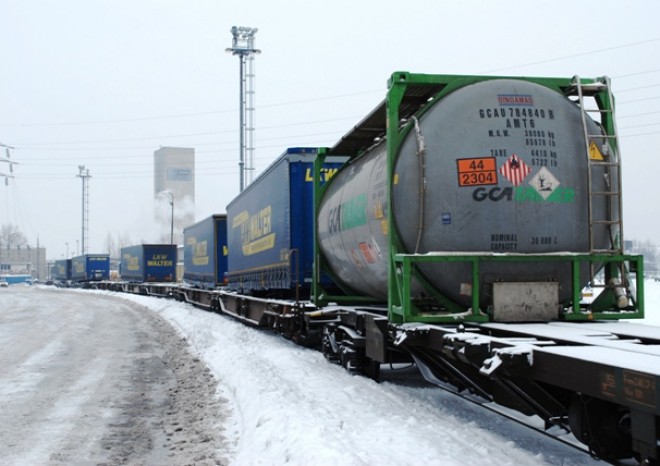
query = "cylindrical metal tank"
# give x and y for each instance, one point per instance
(504, 169)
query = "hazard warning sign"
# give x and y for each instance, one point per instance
(544, 182)
(594, 152)
(515, 170)
(476, 172)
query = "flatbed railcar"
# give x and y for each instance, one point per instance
(458, 234)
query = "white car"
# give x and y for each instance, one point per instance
(3, 284)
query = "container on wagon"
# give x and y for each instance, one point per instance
(61, 271)
(149, 263)
(270, 225)
(205, 252)
(90, 267)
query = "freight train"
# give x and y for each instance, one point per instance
(81, 269)
(455, 227)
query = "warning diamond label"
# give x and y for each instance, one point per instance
(544, 182)
(515, 170)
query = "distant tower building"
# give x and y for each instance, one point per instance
(174, 191)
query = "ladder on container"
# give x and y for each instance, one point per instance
(606, 159)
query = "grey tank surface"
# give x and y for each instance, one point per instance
(504, 169)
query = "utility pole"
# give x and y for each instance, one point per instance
(9, 161)
(243, 46)
(38, 265)
(84, 176)
(6, 176)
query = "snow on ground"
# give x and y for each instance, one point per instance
(88, 379)
(651, 303)
(291, 406)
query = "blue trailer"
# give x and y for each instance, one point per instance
(205, 252)
(90, 267)
(270, 226)
(61, 270)
(148, 263)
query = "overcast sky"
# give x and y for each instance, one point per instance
(105, 83)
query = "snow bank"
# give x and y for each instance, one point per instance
(291, 406)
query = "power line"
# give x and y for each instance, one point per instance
(143, 138)
(123, 120)
(34, 146)
(101, 141)
(582, 54)
(639, 100)
(194, 114)
(635, 74)
(317, 99)
(223, 167)
(640, 126)
(637, 115)
(639, 134)
(620, 91)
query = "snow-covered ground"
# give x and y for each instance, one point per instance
(652, 303)
(289, 405)
(88, 379)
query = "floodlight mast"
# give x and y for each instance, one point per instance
(243, 46)
(84, 175)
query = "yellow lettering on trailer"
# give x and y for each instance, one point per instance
(256, 235)
(326, 174)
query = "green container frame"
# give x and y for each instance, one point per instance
(409, 94)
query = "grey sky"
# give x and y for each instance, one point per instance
(105, 83)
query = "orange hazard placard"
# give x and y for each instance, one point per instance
(477, 172)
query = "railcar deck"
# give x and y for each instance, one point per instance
(599, 378)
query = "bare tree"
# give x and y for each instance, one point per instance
(650, 252)
(111, 245)
(124, 240)
(11, 236)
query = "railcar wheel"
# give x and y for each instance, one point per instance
(329, 344)
(603, 426)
